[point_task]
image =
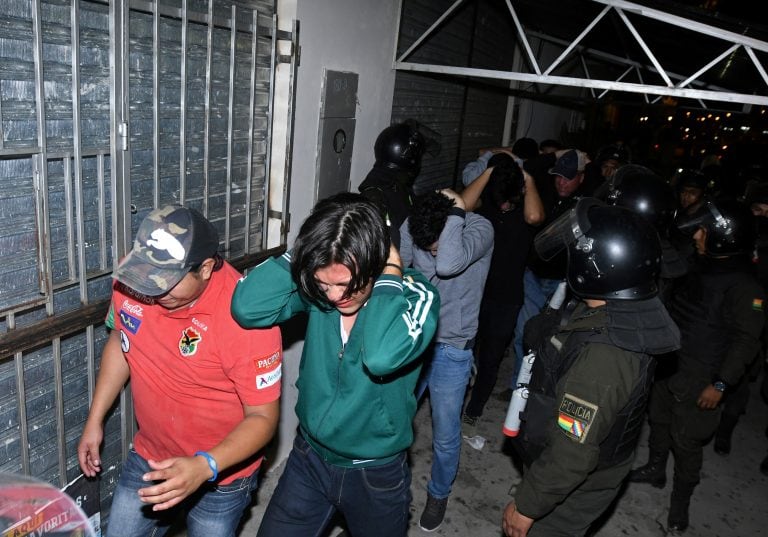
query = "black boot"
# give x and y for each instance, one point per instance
(655, 472)
(724, 433)
(764, 466)
(677, 521)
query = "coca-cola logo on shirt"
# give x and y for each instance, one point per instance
(134, 309)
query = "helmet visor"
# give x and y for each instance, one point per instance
(705, 217)
(568, 228)
(428, 140)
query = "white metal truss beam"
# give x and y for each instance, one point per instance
(688, 86)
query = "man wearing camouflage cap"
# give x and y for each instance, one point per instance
(205, 390)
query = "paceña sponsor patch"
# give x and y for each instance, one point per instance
(757, 304)
(576, 416)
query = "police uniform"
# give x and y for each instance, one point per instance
(392, 191)
(719, 309)
(578, 441)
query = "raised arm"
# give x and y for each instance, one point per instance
(268, 295)
(533, 209)
(402, 319)
(472, 193)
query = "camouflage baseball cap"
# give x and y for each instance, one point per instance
(171, 240)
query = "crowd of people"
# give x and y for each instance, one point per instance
(410, 298)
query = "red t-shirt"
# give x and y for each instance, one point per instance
(193, 369)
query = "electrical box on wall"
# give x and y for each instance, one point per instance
(337, 132)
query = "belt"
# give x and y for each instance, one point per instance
(468, 344)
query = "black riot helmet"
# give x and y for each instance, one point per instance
(617, 152)
(400, 147)
(688, 177)
(729, 224)
(640, 190)
(613, 253)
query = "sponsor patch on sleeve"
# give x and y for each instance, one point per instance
(265, 380)
(576, 417)
(757, 304)
(130, 322)
(269, 370)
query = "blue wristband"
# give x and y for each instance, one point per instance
(211, 463)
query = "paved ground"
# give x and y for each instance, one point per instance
(732, 499)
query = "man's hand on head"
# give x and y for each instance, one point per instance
(455, 196)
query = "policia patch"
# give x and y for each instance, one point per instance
(575, 417)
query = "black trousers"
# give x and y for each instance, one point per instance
(496, 326)
(678, 424)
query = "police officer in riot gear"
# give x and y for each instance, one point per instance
(640, 190)
(692, 186)
(592, 372)
(719, 309)
(398, 150)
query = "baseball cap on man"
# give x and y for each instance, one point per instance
(619, 153)
(171, 240)
(569, 165)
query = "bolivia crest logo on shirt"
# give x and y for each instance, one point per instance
(190, 338)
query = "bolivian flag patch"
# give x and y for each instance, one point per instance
(576, 417)
(757, 304)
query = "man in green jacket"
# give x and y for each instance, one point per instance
(369, 322)
(592, 372)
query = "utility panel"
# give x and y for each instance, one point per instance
(337, 132)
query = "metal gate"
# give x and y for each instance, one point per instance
(107, 110)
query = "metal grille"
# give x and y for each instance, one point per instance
(86, 151)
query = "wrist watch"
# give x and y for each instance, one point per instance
(719, 385)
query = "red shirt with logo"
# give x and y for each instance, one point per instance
(193, 369)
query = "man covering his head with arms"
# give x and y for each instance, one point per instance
(370, 319)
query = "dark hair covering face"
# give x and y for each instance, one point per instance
(345, 229)
(428, 216)
(506, 181)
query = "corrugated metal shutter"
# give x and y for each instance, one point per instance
(189, 139)
(195, 106)
(55, 221)
(468, 115)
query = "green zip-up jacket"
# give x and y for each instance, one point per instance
(356, 401)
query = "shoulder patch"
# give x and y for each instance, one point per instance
(576, 416)
(757, 304)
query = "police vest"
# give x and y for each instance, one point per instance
(549, 367)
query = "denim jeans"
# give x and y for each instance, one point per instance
(212, 510)
(374, 500)
(446, 376)
(536, 293)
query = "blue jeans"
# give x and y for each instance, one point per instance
(374, 500)
(446, 376)
(536, 292)
(212, 510)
